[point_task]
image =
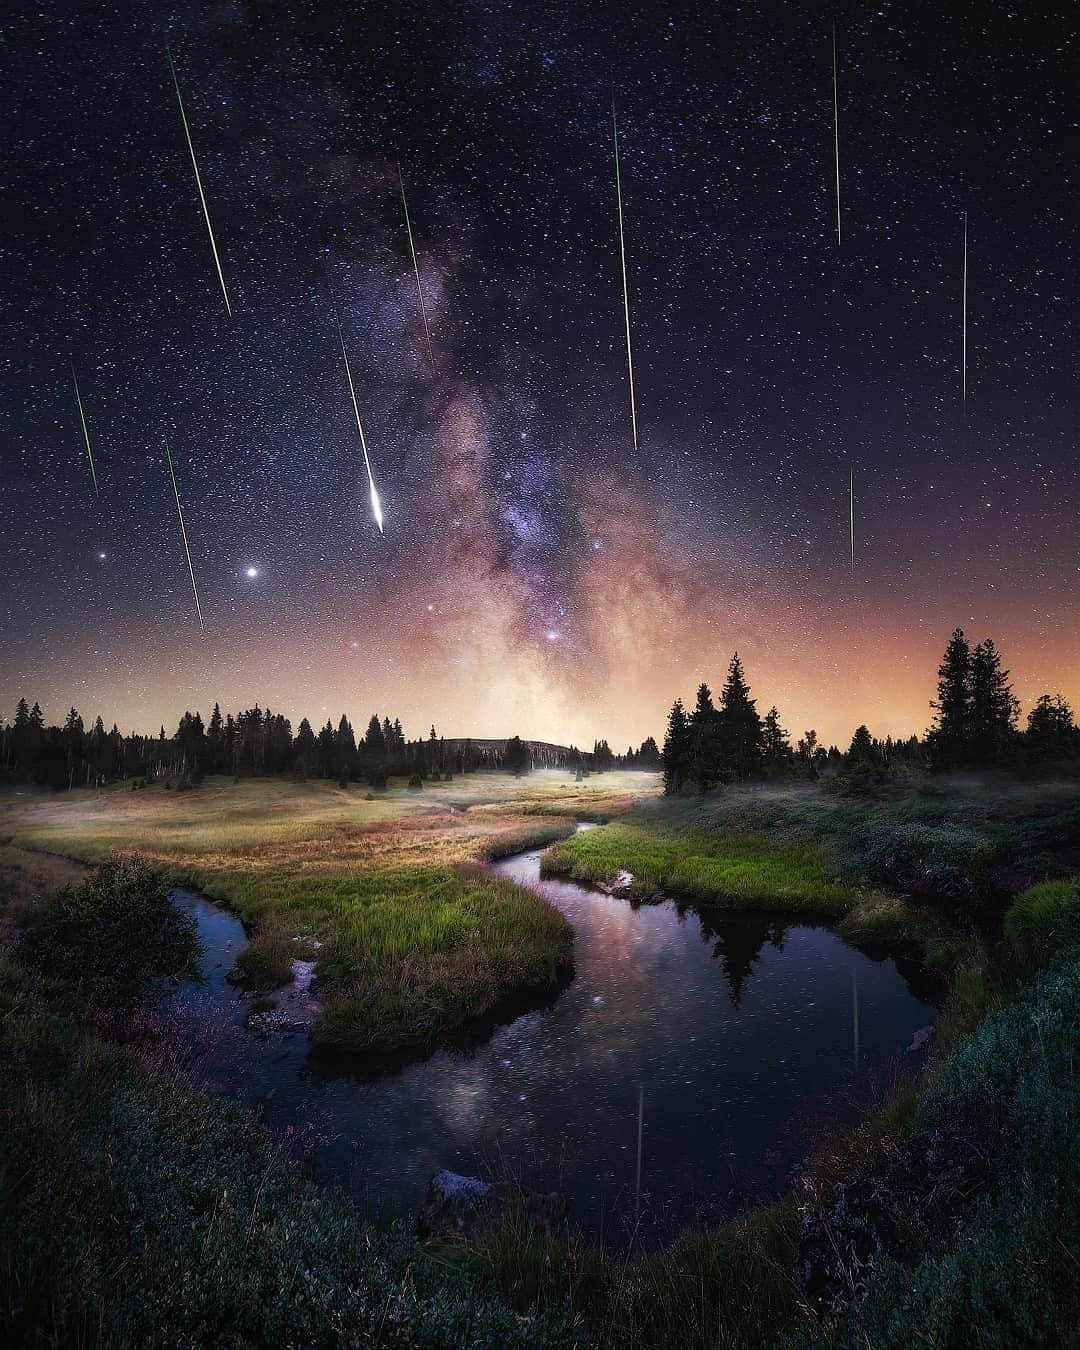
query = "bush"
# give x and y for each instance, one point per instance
(415, 783)
(1010, 1278)
(1045, 919)
(113, 931)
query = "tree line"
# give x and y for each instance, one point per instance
(259, 742)
(975, 726)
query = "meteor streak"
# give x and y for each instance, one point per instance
(622, 258)
(851, 516)
(183, 534)
(198, 183)
(373, 493)
(836, 130)
(963, 318)
(416, 272)
(86, 434)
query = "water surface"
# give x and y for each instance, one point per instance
(737, 1031)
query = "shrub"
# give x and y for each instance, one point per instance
(1010, 1278)
(1045, 919)
(113, 931)
(415, 783)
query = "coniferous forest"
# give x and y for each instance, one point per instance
(720, 740)
(975, 725)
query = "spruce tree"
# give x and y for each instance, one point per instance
(776, 748)
(994, 709)
(739, 725)
(675, 755)
(704, 766)
(950, 736)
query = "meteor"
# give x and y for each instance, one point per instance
(373, 494)
(198, 183)
(622, 258)
(86, 434)
(183, 534)
(851, 515)
(963, 317)
(836, 130)
(416, 272)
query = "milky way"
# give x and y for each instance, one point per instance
(535, 575)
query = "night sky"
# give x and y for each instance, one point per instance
(537, 576)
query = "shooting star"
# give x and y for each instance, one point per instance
(851, 515)
(963, 318)
(86, 434)
(836, 130)
(622, 259)
(416, 273)
(198, 183)
(183, 535)
(376, 504)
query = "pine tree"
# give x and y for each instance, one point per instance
(344, 751)
(215, 742)
(1051, 733)
(375, 740)
(776, 748)
(739, 724)
(950, 736)
(676, 752)
(704, 759)
(994, 710)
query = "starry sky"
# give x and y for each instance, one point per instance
(537, 575)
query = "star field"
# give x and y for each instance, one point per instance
(536, 575)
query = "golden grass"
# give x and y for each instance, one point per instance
(415, 937)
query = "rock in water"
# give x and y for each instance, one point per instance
(466, 1209)
(457, 1207)
(920, 1040)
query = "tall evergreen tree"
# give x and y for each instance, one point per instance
(739, 724)
(950, 736)
(994, 709)
(676, 752)
(775, 745)
(704, 761)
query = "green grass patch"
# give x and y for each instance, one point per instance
(726, 867)
(1045, 919)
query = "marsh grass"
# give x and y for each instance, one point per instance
(730, 1287)
(414, 938)
(727, 867)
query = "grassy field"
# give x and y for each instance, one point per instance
(414, 936)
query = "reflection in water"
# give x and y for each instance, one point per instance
(733, 1028)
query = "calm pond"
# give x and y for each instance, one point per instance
(737, 1031)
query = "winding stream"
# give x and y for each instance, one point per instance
(737, 1030)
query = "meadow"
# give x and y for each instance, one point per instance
(411, 936)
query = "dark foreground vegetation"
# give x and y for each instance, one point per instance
(135, 1211)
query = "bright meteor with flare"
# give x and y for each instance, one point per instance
(416, 273)
(183, 534)
(373, 492)
(86, 434)
(622, 259)
(198, 184)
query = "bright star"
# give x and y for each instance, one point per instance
(251, 572)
